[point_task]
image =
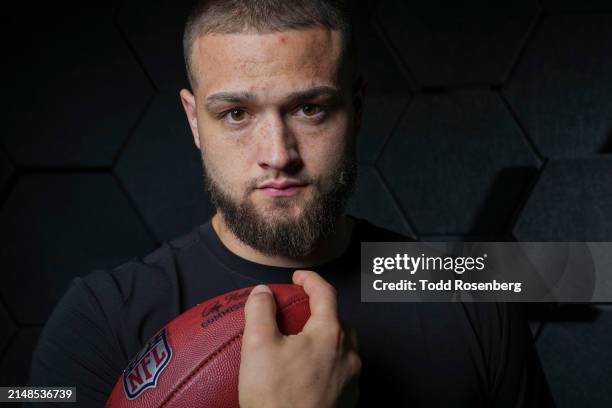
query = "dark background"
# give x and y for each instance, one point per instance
(485, 120)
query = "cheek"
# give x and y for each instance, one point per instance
(322, 153)
(228, 162)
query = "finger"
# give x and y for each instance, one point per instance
(322, 295)
(260, 318)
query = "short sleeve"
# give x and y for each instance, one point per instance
(77, 348)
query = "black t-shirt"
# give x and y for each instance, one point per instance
(413, 354)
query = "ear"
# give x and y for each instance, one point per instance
(189, 105)
(360, 87)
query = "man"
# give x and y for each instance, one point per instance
(274, 111)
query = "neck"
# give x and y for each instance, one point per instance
(328, 250)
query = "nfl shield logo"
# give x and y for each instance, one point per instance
(144, 370)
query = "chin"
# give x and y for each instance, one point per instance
(290, 211)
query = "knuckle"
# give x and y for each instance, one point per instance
(250, 303)
(254, 339)
(256, 302)
(257, 297)
(354, 363)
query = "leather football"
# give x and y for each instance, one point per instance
(195, 359)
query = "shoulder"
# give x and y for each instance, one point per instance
(129, 302)
(144, 291)
(145, 275)
(114, 312)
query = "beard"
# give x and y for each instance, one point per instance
(278, 233)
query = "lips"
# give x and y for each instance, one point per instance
(281, 188)
(281, 184)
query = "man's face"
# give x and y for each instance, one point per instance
(274, 121)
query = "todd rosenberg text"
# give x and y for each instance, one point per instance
(426, 285)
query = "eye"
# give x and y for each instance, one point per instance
(311, 110)
(234, 116)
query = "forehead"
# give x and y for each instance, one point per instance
(270, 62)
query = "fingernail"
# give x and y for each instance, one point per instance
(261, 289)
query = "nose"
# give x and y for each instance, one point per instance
(277, 147)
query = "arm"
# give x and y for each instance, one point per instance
(74, 350)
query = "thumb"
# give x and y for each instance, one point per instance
(260, 317)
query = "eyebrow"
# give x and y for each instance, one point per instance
(243, 97)
(227, 97)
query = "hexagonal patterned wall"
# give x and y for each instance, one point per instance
(483, 120)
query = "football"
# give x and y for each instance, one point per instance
(195, 359)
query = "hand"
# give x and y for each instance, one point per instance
(318, 367)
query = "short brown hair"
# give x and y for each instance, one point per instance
(262, 16)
